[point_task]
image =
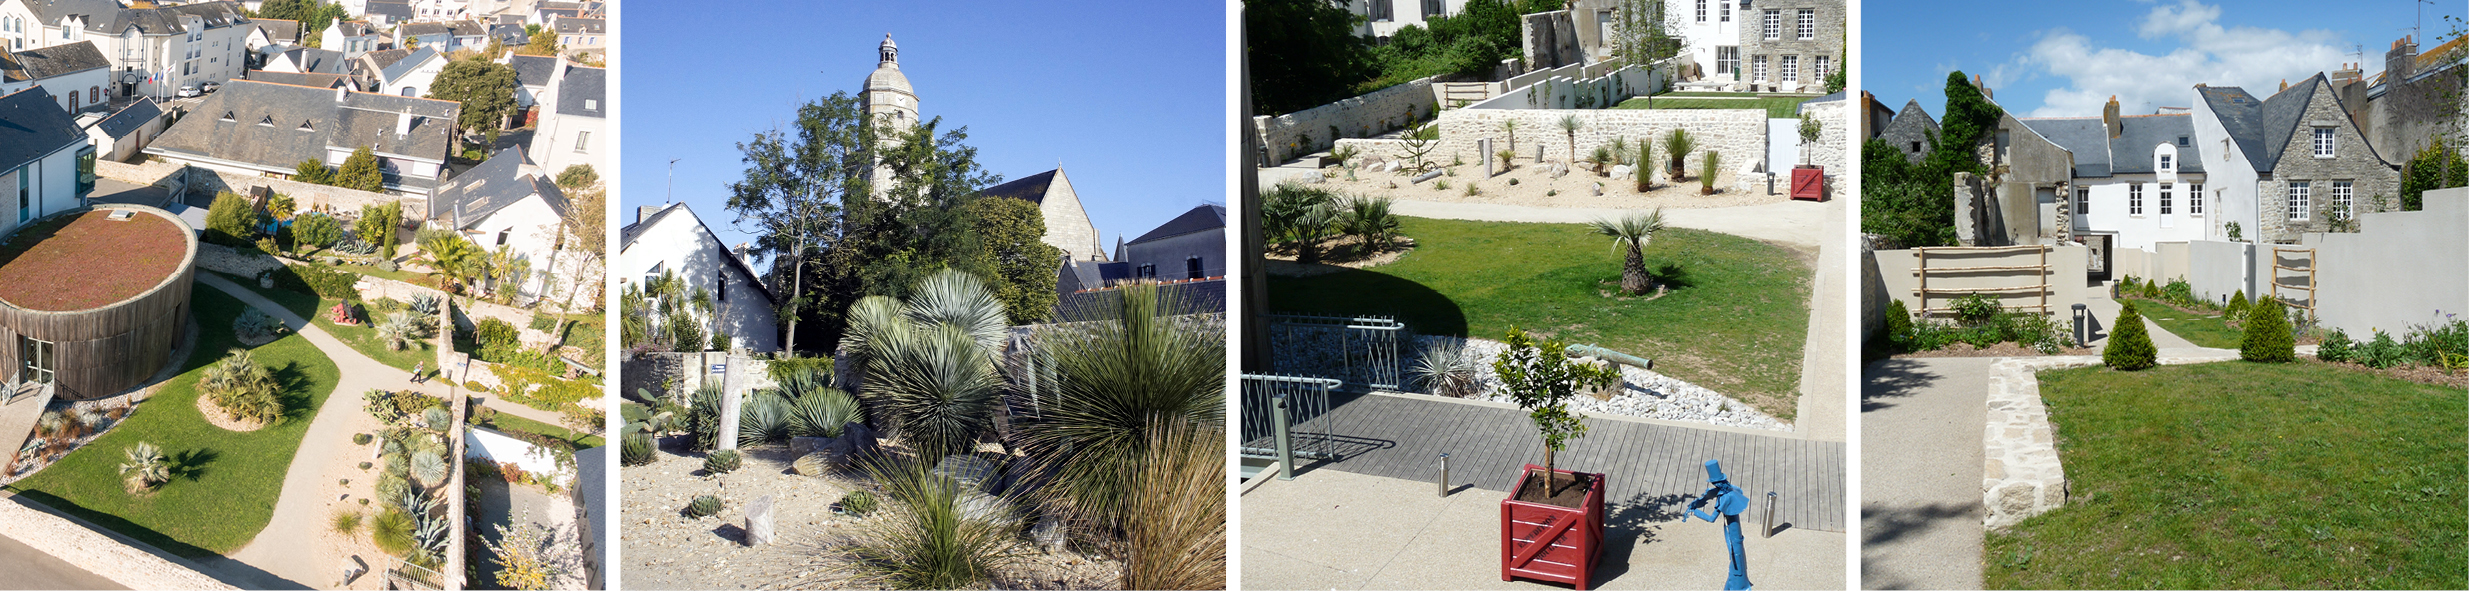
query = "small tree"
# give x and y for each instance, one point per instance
(1809, 128)
(361, 172)
(2267, 338)
(1706, 178)
(1570, 124)
(2233, 312)
(1679, 143)
(2130, 348)
(231, 220)
(314, 172)
(1630, 234)
(485, 88)
(1419, 143)
(1540, 378)
(1645, 173)
(316, 230)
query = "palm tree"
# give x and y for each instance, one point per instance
(1368, 218)
(1570, 124)
(1298, 215)
(930, 368)
(145, 467)
(1631, 233)
(1136, 367)
(401, 329)
(1678, 144)
(704, 308)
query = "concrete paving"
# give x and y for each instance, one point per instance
(29, 568)
(1336, 530)
(111, 190)
(1922, 422)
(1825, 354)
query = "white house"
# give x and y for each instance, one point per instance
(578, 34)
(155, 50)
(411, 75)
(1383, 18)
(269, 129)
(353, 38)
(531, 76)
(304, 60)
(2138, 178)
(574, 123)
(385, 12)
(76, 74)
(445, 37)
(273, 31)
(440, 10)
(46, 163)
(505, 202)
(121, 135)
(671, 239)
(1710, 33)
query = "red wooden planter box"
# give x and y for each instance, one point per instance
(1809, 182)
(1549, 542)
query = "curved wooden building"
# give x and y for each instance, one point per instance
(93, 300)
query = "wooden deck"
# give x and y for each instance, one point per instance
(1653, 468)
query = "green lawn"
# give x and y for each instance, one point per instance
(575, 441)
(2204, 330)
(225, 483)
(1779, 107)
(2247, 475)
(362, 338)
(1734, 322)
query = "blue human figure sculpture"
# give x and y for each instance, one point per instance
(1729, 501)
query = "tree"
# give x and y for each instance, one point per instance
(486, 90)
(145, 468)
(377, 225)
(2267, 337)
(1913, 204)
(791, 196)
(915, 225)
(1641, 35)
(543, 42)
(1539, 377)
(455, 256)
(313, 171)
(1809, 131)
(2436, 167)
(1570, 124)
(231, 220)
(1010, 234)
(2130, 346)
(577, 176)
(1302, 53)
(361, 172)
(1630, 234)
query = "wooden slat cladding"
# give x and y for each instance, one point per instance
(107, 350)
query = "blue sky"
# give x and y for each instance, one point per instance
(1128, 96)
(2067, 58)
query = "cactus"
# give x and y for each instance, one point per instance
(637, 448)
(703, 506)
(858, 503)
(721, 462)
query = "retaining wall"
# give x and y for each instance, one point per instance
(2065, 277)
(97, 552)
(500, 448)
(1739, 134)
(2398, 270)
(1310, 130)
(305, 196)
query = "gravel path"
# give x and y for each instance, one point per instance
(1922, 422)
(664, 549)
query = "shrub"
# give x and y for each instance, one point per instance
(858, 503)
(322, 282)
(2267, 334)
(494, 333)
(703, 506)
(392, 531)
(1898, 322)
(2130, 348)
(244, 390)
(231, 220)
(360, 439)
(346, 522)
(637, 448)
(1447, 369)
(721, 462)
(2336, 347)
(1976, 309)
(543, 322)
(315, 229)
(2382, 352)
(780, 369)
(2237, 305)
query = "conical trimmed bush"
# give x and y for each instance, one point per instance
(2267, 334)
(2130, 347)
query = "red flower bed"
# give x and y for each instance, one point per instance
(87, 261)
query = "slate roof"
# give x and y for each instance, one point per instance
(509, 34)
(581, 26)
(628, 234)
(51, 11)
(2239, 113)
(279, 30)
(32, 125)
(1912, 108)
(584, 84)
(2263, 128)
(1199, 219)
(2138, 133)
(109, 18)
(397, 9)
(355, 28)
(57, 60)
(294, 79)
(319, 61)
(493, 185)
(533, 70)
(385, 58)
(403, 67)
(136, 115)
(424, 29)
(347, 121)
(1030, 188)
(2086, 137)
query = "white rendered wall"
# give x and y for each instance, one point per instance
(2109, 209)
(681, 244)
(2231, 177)
(508, 450)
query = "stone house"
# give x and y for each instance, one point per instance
(164, 46)
(1067, 225)
(46, 162)
(2417, 97)
(1912, 132)
(76, 74)
(265, 129)
(1187, 253)
(671, 239)
(1791, 45)
(2287, 162)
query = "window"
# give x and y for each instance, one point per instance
(1380, 10)
(2194, 199)
(1434, 8)
(501, 236)
(1726, 8)
(25, 194)
(2134, 199)
(582, 142)
(2298, 207)
(2083, 198)
(1191, 268)
(2323, 142)
(85, 171)
(1774, 24)
(2165, 164)
(1727, 60)
(720, 282)
(1701, 11)
(1818, 68)
(1808, 24)
(1148, 271)
(1757, 68)
(2343, 198)
(1791, 68)
(2164, 199)
(2181, 140)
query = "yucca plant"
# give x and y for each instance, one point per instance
(1570, 124)
(1175, 529)
(762, 417)
(402, 330)
(1645, 155)
(1368, 219)
(1630, 234)
(429, 468)
(938, 534)
(820, 411)
(1706, 178)
(1134, 367)
(145, 468)
(1679, 143)
(244, 390)
(438, 419)
(1447, 368)
(930, 371)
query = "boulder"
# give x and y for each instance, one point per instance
(1621, 171)
(807, 445)
(1050, 534)
(813, 464)
(759, 522)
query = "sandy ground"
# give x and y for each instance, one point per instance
(1535, 185)
(335, 548)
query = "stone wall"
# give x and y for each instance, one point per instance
(1739, 134)
(1833, 138)
(2352, 161)
(685, 372)
(1288, 136)
(1576, 87)
(100, 553)
(1827, 41)
(207, 182)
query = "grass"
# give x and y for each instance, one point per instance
(362, 338)
(2204, 330)
(1734, 321)
(2247, 475)
(1779, 107)
(224, 483)
(575, 441)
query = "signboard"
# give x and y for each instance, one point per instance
(720, 368)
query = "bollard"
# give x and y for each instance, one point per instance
(1285, 439)
(1444, 475)
(1770, 514)
(2083, 336)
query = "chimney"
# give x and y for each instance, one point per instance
(745, 253)
(341, 93)
(2109, 117)
(1984, 88)
(645, 212)
(2400, 63)
(402, 124)
(2284, 85)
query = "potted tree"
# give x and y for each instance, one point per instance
(1551, 526)
(1808, 180)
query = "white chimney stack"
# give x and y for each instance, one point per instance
(402, 124)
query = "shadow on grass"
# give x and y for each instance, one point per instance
(191, 464)
(295, 383)
(1358, 291)
(116, 524)
(1890, 379)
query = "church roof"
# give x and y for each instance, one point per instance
(1030, 188)
(1199, 219)
(887, 76)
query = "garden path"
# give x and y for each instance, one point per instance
(1922, 422)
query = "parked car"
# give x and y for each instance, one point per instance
(189, 91)
(211, 86)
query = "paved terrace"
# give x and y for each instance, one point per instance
(1653, 464)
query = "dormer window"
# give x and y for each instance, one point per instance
(2181, 140)
(227, 116)
(306, 126)
(591, 105)
(2167, 163)
(268, 121)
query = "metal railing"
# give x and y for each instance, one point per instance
(1367, 348)
(1274, 411)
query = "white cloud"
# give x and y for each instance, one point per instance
(2254, 58)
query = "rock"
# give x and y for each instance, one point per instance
(759, 522)
(982, 507)
(1310, 176)
(813, 464)
(1598, 189)
(1621, 171)
(1050, 534)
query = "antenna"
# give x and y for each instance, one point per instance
(672, 197)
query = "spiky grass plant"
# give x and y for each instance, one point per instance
(402, 330)
(1630, 234)
(1136, 365)
(244, 390)
(1175, 529)
(145, 468)
(346, 522)
(429, 468)
(392, 531)
(930, 368)
(1449, 369)
(937, 533)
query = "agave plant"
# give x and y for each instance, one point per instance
(425, 304)
(1120, 377)
(637, 447)
(254, 325)
(762, 417)
(145, 467)
(703, 421)
(1447, 368)
(942, 535)
(930, 369)
(401, 330)
(429, 468)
